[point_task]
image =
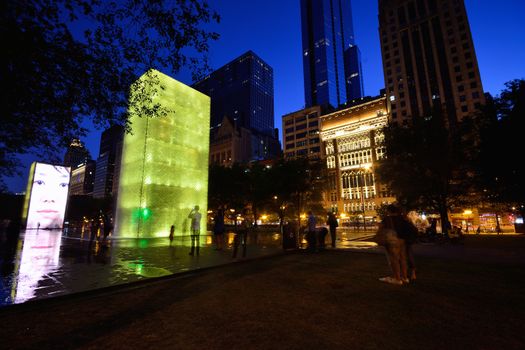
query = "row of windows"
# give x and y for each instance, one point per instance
(350, 144)
(355, 158)
(221, 157)
(357, 180)
(358, 207)
(303, 152)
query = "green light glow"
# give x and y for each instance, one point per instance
(164, 168)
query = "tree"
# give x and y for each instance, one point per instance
(288, 186)
(68, 61)
(501, 160)
(298, 185)
(429, 165)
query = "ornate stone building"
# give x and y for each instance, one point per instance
(352, 145)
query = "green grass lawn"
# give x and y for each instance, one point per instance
(331, 300)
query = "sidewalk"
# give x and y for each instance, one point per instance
(330, 300)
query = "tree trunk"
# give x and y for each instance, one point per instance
(445, 223)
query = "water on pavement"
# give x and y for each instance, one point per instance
(42, 264)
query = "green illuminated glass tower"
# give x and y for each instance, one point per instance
(164, 167)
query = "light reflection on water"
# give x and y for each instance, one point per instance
(46, 263)
(39, 257)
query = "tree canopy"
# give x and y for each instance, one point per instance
(432, 167)
(288, 187)
(67, 61)
(502, 145)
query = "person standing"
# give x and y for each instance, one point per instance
(394, 246)
(332, 224)
(172, 233)
(218, 228)
(241, 235)
(312, 234)
(195, 228)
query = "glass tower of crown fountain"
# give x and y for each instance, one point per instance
(164, 167)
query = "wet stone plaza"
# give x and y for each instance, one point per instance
(41, 264)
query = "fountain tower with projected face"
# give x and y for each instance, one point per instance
(164, 166)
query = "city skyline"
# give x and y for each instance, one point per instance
(278, 41)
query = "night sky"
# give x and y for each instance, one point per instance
(272, 29)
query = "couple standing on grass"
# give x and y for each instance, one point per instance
(397, 234)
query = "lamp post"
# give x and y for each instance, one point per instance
(467, 214)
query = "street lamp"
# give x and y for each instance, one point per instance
(467, 213)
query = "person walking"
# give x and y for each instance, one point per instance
(195, 228)
(332, 224)
(218, 228)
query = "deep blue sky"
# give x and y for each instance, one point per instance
(272, 29)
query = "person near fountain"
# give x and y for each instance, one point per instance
(195, 229)
(218, 228)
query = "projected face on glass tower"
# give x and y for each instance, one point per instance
(49, 190)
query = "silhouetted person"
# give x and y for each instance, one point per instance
(332, 224)
(94, 230)
(312, 234)
(172, 233)
(218, 228)
(195, 228)
(107, 225)
(241, 236)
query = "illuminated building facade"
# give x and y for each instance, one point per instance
(301, 133)
(352, 145)
(331, 60)
(164, 165)
(429, 60)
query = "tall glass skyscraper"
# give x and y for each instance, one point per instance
(243, 90)
(331, 60)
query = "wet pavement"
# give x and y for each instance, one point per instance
(42, 264)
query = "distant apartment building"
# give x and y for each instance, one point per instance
(301, 133)
(105, 169)
(352, 145)
(242, 92)
(231, 143)
(429, 60)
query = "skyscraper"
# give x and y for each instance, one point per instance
(76, 154)
(110, 140)
(428, 59)
(331, 60)
(243, 90)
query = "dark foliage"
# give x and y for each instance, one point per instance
(287, 188)
(502, 148)
(430, 166)
(65, 61)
